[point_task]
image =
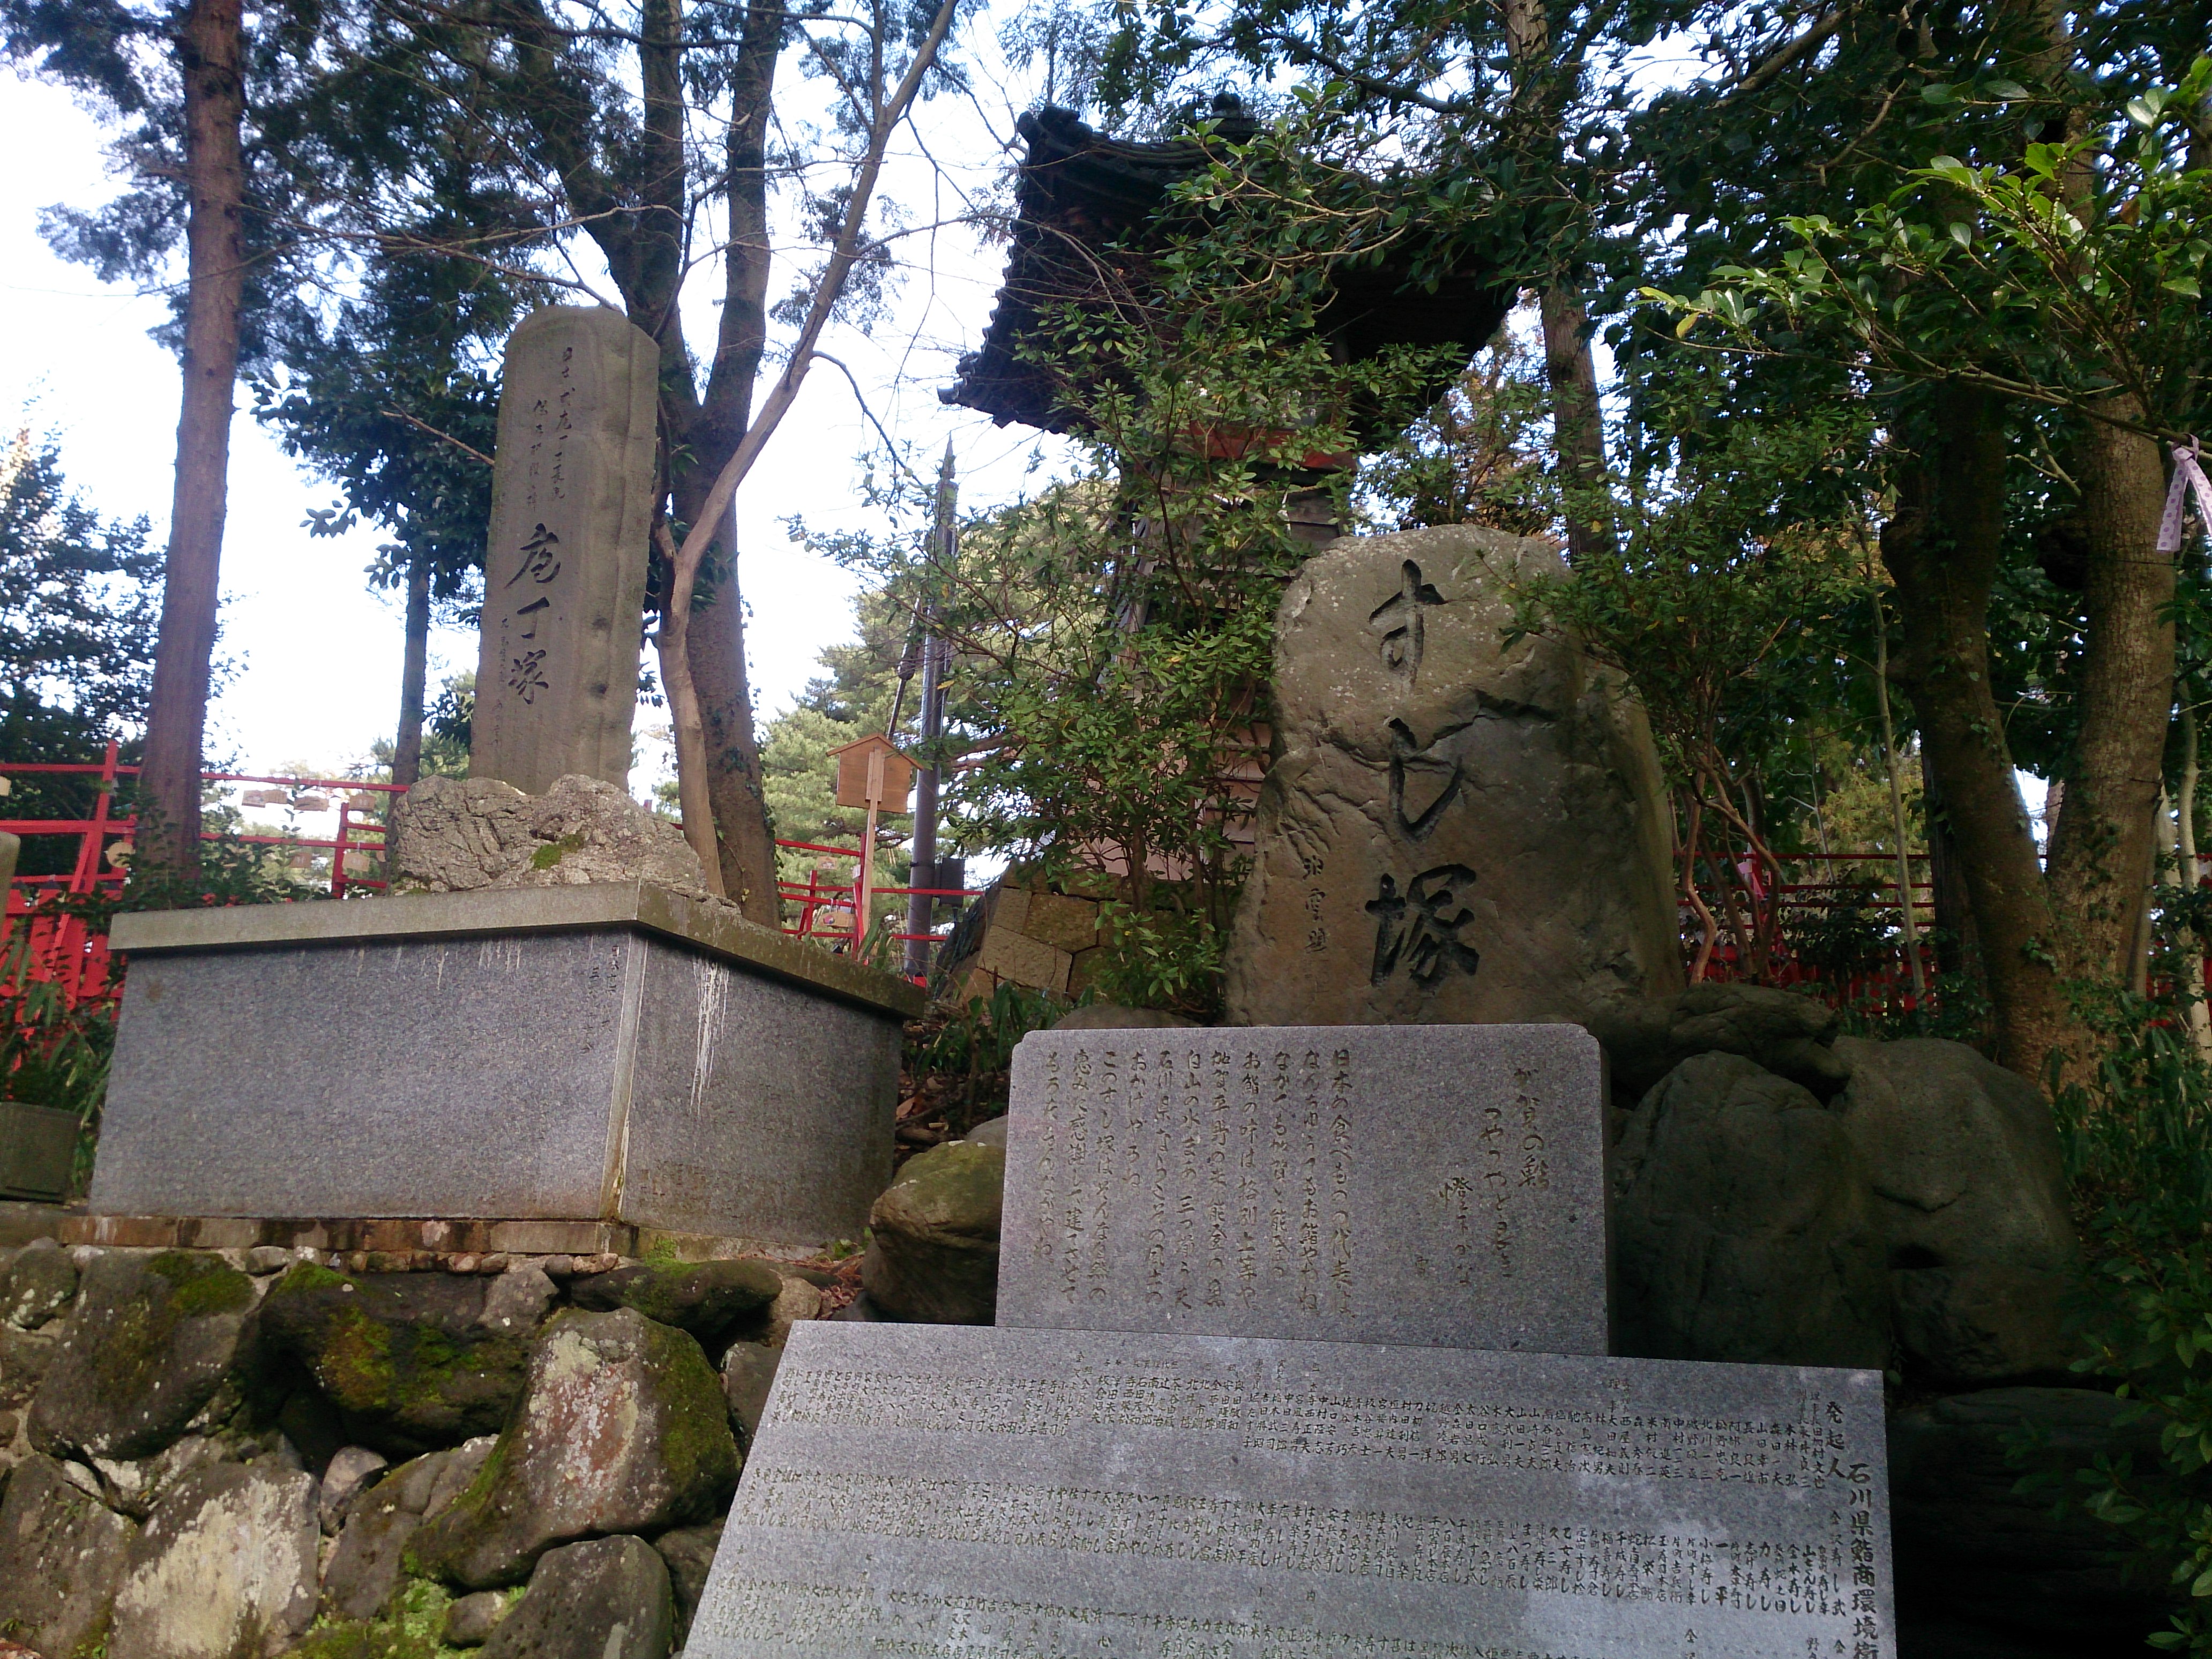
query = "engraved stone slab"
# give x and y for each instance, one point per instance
(565, 564)
(623, 1059)
(1426, 1185)
(941, 1490)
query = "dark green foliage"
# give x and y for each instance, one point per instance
(1856, 934)
(960, 1062)
(79, 599)
(52, 1054)
(120, 54)
(2138, 1139)
(394, 395)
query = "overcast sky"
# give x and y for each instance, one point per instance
(317, 653)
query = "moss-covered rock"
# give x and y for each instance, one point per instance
(408, 1360)
(410, 1630)
(708, 1298)
(933, 1238)
(39, 1284)
(151, 1342)
(621, 1429)
(606, 1599)
(363, 1582)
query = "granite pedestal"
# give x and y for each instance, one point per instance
(1431, 1185)
(1049, 1494)
(612, 1053)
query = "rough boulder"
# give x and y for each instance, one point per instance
(151, 1342)
(1962, 1160)
(622, 1428)
(1743, 1230)
(411, 1361)
(459, 835)
(1456, 829)
(933, 1251)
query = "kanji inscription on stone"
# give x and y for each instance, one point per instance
(572, 500)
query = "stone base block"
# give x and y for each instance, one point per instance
(345, 1235)
(1107, 1495)
(522, 1062)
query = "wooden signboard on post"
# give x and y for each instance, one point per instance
(872, 775)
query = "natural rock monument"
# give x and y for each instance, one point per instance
(565, 563)
(1456, 829)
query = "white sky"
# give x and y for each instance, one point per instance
(318, 653)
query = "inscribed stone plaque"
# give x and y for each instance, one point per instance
(1439, 1185)
(1457, 829)
(964, 1491)
(565, 564)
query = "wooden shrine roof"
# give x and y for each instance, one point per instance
(1084, 200)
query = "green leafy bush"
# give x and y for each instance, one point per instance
(959, 1063)
(2138, 1134)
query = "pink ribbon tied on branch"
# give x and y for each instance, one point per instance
(2188, 477)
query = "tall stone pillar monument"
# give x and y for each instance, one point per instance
(564, 569)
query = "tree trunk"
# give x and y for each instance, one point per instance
(725, 710)
(1577, 419)
(210, 50)
(709, 437)
(1941, 549)
(414, 670)
(1957, 946)
(1541, 87)
(709, 522)
(2102, 844)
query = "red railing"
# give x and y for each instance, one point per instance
(69, 950)
(826, 908)
(1890, 984)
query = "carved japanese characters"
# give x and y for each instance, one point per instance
(950, 1490)
(1442, 1186)
(564, 568)
(1456, 829)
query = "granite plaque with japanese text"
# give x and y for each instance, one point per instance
(1050, 1494)
(1439, 1185)
(565, 564)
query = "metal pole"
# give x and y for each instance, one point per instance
(922, 907)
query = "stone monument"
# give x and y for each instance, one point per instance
(564, 1045)
(610, 1053)
(1210, 1487)
(1455, 830)
(1440, 1185)
(565, 563)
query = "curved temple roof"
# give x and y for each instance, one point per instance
(1079, 193)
